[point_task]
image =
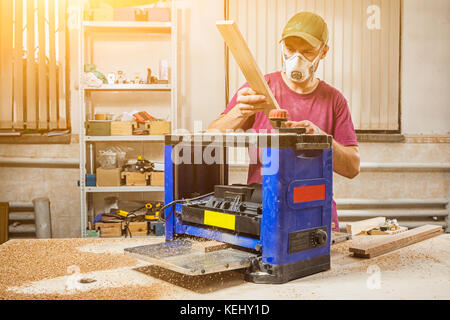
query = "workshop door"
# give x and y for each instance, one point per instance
(363, 61)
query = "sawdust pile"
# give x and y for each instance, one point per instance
(410, 256)
(26, 261)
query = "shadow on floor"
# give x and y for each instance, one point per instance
(200, 284)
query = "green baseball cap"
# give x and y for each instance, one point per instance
(308, 26)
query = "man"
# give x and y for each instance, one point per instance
(311, 102)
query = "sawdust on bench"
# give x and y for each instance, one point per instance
(25, 261)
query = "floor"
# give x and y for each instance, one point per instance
(52, 269)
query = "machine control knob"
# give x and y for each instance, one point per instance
(320, 237)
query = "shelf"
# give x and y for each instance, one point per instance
(135, 25)
(125, 189)
(130, 87)
(126, 138)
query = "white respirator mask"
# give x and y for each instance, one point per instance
(297, 67)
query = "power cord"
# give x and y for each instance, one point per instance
(180, 201)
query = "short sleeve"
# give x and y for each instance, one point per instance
(343, 129)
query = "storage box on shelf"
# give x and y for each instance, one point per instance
(157, 179)
(109, 177)
(110, 229)
(123, 128)
(136, 178)
(98, 128)
(158, 127)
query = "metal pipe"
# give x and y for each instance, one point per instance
(21, 215)
(42, 218)
(22, 228)
(5, 161)
(16, 205)
(389, 203)
(409, 224)
(393, 213)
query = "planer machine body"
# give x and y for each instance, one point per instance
(277, 230)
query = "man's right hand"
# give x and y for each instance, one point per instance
(248, 103)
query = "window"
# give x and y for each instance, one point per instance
(33, 77)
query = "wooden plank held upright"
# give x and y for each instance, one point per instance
(244, 58)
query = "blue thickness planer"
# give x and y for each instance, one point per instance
(276, 231)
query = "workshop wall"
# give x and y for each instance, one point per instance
(424, 103)
(425, 96)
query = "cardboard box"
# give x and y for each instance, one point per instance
(157, 179)
(136, 178)
(109, 177)
(158, 127)
(122, 128)
(98, 128)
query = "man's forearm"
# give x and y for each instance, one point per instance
(227, 121)
(346, 160)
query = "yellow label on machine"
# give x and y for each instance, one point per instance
(219, 219)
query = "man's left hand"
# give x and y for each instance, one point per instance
(311, 128)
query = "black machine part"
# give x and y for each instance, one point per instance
(242, 201)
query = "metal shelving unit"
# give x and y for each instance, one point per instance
(86, 28)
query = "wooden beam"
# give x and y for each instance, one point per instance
(4, 221)
(244, 58)
(18, 65)
(43, 84)
(386, 244)
(62, 113)
(31, 104)
(53, 102)
(365, 225)
(6, 64)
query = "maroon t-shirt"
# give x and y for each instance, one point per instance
(326, 107)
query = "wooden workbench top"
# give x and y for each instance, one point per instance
(51, 269)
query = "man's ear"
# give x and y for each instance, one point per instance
(325, 51)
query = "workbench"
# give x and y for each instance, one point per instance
(52, 269)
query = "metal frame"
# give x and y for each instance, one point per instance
(86, 193)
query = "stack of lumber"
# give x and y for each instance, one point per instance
(386, 244)
(363, 226)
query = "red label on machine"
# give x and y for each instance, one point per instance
(309, 193)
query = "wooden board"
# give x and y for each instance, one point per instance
(18, 65)
(6, 65)
(52, 76)
(4, 222)
(62, 112)
(31, 104)
(365, 225)
(42, 67)
(246, 62)
(379, 246)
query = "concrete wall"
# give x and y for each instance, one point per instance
(425, 102)
(425, 107)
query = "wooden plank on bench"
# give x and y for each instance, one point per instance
(386, 244)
